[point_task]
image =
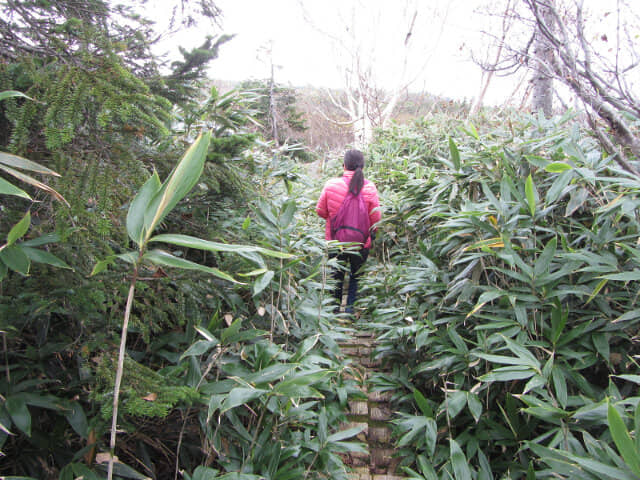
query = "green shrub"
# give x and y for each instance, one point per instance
(506, 300)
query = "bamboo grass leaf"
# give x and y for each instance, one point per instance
(17, 408)
(502, 359)
(580, 463)
(475, 406)
(544, 260)
(24, 164)
(14, 258)
(601, 342)
(207, 245)
(473, 131)
(160, 257)
(559, 187)
(343, 434)
(179, 183)
(138, 207)
(42, 256)
(423, 404)
(241, 395)
(577, 199)
(306, 346)
(13, 93)
(200, 347)
(507, 374)
(630, 378)
(431, 435)
(560, 386)
(623, 440)
(19, 229)
(557, 167)
(8, 188)
(413, 425)
(459, 462)
(32, 181)
(426, 469)
(100, 266)
(531, 194)
(558, 321)
(269, 374)
(41, 240)
(631, 276)
(456, 402)
(492, 198)
(455, 154)
(254, 273)
(485, 298)
(522, 353)
(78, 419)
(262, 282)
(536, 382)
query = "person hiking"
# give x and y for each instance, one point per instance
(336, 192)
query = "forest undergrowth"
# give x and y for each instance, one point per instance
(502, 290)
(504, 300)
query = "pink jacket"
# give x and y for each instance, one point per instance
(333, 194)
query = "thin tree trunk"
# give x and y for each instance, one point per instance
(272, 108)
(119, 373)
(542, 99)
(483, 91)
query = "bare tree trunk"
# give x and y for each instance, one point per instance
(272, 108)
(542, 99)
(490, 71)
(607, 99)
(367, 105)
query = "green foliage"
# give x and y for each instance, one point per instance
(506, 300)
(99, 99)
(146, 393)
(275, 102)
(182, 85)
(18, 256)
(273, 406)
(104, 126)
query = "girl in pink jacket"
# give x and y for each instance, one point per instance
(328, 205)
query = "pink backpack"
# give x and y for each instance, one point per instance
(351, 222)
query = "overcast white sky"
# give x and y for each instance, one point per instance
(303, 55)
(306, 55)
(295, 33)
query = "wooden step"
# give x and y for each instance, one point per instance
(373, 415)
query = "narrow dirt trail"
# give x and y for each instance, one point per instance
(372, 414)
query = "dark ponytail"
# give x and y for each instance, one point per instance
(354, 161)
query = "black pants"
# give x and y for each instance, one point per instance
(354, 260)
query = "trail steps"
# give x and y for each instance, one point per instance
(372, 414)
